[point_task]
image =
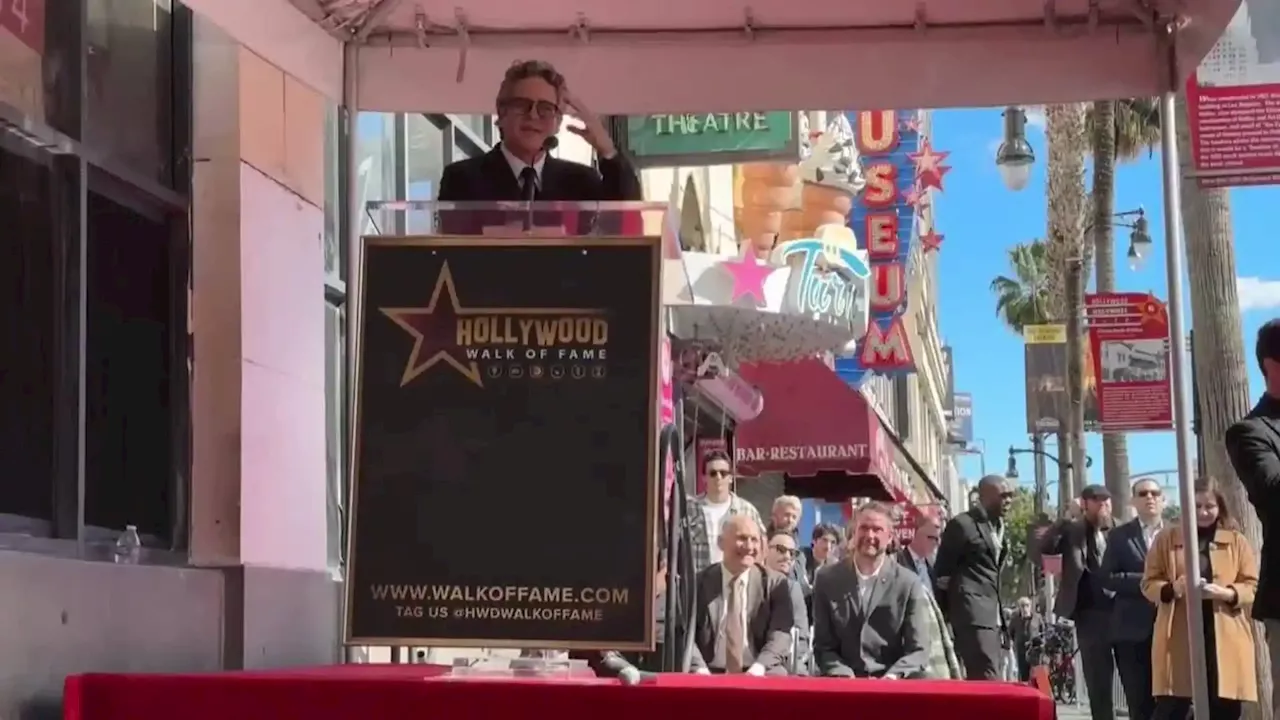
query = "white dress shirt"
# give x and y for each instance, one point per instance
(518, 165)
(1150, 530)
(728, 583)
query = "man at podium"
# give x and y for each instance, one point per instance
(531, 102)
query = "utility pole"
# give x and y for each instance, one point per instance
(1042, 481)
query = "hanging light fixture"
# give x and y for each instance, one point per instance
(1140, 238)
(1015, 157)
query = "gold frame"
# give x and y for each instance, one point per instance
(654, 243)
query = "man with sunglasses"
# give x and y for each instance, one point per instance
(1133, 617)
(971, 556)
(781, 558)
(717, 503)
(531, 102)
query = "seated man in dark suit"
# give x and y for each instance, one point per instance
(744, 613)
(868, 610)
(532, 100)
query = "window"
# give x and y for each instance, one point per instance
(40, 44)
(28, 326)
(129, 419)
(425, 162)
(376, 148)
(129, 84)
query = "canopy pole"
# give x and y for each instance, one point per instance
(349, 223)
(1174, 253)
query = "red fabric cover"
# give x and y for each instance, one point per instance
(355, 692)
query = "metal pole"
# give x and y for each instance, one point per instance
(1042, 480)
(1174, 252)
(349, 229)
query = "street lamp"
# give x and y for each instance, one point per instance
(1139, 235)
(1015, 156)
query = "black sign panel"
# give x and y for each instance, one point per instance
(504, 489)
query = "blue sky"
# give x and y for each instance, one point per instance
(981, 220)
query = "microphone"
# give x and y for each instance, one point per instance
(551, 143)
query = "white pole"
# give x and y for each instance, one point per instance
(1174, 252)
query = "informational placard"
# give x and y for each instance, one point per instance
(505, 479)
(1129, 337)
(1045, 358)
(1233, 100)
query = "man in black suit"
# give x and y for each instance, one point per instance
(532, 100)
(1133, 617)
(1254, 447)
(744, 613)
(1082, 595)
(970, 558)
(919, 555)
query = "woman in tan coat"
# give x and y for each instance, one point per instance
(1229, 578)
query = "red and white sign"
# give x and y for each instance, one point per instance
(1129, 337)
(21, 55)
(666, 414)
(1233, 100)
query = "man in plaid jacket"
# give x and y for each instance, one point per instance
(709, 511)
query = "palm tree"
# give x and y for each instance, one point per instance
(1023, 299)
(1222, 379)
(1068, 256)
(1118, 131)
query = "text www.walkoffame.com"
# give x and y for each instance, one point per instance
(500, 602)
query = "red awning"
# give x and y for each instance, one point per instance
(818, 431)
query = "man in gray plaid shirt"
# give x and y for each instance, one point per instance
(710, 510)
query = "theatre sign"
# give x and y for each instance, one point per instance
(683, 139)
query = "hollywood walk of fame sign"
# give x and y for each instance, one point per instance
(505, 476)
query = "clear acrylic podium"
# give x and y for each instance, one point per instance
(514, 218)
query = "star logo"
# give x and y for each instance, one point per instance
(911, 125)
(748, 275)
(931, 241)
(915, 198)
(926, 158)
(933, 178)
(434, 327)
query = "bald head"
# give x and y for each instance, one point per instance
(740, 542)
(994, 495)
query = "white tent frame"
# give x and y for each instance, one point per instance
(625, 56)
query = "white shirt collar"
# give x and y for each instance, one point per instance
(518, 165)
(741, 579)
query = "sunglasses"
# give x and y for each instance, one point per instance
(1148, 493)
(719, 473)
(784, 550)
(532, 108)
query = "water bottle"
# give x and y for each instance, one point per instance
(129, 546)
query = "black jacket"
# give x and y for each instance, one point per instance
(968, 569)
(1254, 447)
(1133, 617)
(489, 177)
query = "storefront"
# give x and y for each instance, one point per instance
(827, 443)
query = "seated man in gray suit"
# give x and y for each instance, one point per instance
(868, 609)
(744, 612)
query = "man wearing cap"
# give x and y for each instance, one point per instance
(1254, 447)
(1082, 596)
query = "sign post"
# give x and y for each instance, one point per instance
(502, 382)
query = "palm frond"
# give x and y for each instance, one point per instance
(1023, 298)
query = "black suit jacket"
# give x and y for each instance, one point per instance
(906, 561)
(968, 569)
(1070, 539)
(770, 618)
(1254, 447)
(489, 177)
(1133, 617)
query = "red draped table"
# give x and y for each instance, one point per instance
(357, 692)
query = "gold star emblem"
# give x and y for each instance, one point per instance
(419, 322)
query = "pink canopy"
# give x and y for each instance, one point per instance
(647, 56)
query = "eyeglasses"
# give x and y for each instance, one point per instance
(719, 473)
(530, 107)
(1148, 493)
(784, 550)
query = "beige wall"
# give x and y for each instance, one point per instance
(258, 481)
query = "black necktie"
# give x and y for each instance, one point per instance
(528, 184)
